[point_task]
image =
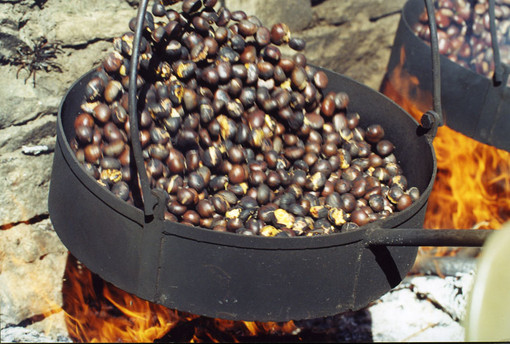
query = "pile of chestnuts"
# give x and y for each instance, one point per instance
(464, 32)
(241, 138)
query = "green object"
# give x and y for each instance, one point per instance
(488, 313)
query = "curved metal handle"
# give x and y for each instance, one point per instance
(431, 120)
(500, 69)
(149, 201)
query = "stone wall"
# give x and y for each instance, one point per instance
(32, 258)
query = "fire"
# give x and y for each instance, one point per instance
(473, 183)
(471, 190)
(472, 187)
(97, 311)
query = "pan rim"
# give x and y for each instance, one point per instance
(169, 228)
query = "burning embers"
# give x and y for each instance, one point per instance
(239, 137)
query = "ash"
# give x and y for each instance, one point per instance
(423, 308)
(16, 334)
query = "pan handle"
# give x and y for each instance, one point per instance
(426, 237)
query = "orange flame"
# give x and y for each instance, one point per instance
(472, 187)
(97, 311)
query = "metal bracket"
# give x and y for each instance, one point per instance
(431, 120)
(160, 204)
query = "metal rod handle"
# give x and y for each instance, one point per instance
(148, 200)
(498, 68)
(426, 237)
(436, 66)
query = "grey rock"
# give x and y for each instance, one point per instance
(9, 44)
(70, 24)
(31, 134)
(32, 263)
(344, 39)
(24, 181)
(21, 102)
(77, 29)
(80, 61)
(297, 14)
(24, 178)
(77, 22)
